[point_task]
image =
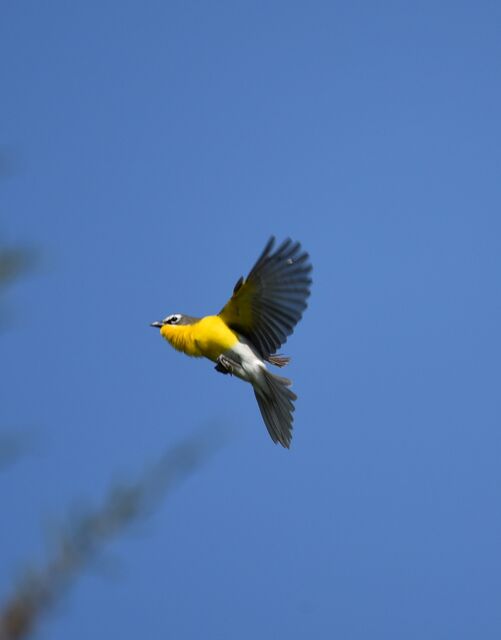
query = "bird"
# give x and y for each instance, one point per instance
(244, 337)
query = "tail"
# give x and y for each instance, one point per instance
(275, 401)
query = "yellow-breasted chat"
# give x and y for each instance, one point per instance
(246, 334)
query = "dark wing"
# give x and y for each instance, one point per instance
(266, 306)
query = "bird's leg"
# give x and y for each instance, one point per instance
(225, 365)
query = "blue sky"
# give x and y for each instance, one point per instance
(157, 146)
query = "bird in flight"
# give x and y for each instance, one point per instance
(255, 322)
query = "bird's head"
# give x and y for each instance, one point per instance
(173, 319)
(171, 327)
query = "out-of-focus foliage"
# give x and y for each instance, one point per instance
(84, 537)
(13, 262)
(12, 445)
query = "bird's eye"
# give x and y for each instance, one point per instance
(174, 319)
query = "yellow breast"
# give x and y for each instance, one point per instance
(209, 337)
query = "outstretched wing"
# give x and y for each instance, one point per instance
(266, 306)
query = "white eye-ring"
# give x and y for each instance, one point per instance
(173, 319)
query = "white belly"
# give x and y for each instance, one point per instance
(249, 364)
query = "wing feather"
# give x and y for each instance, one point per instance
(266, 306)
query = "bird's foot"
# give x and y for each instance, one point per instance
(224, 365)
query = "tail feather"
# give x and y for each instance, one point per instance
(275, 401)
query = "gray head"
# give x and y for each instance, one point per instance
(175, 318)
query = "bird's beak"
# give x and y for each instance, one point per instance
(158, 325)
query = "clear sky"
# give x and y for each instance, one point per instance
(157, 146)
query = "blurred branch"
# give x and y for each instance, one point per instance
(83, 539)
(12, 446)
(14, 262)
